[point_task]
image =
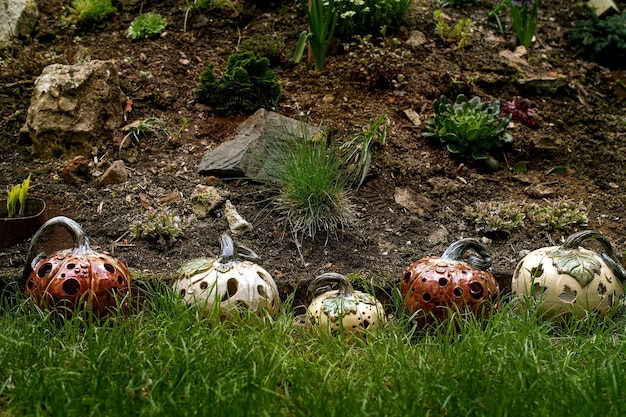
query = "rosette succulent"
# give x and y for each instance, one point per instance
(469, 127)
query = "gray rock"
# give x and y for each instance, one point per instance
(439, 235)
(248, 154)
(17, 18)
(416, 38)
(73, 108)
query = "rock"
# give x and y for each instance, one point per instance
(413, 116)
(205, 199)
(237, 224)
(73, 107)
(76, 171)
(603, 8)
(18, 18)
(542, 85)
(115, 174)
(539, 191)
(416, 38)
(247, 154)
(515, 56)
(440, 235)
(415, 203)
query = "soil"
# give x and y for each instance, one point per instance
(581, 126)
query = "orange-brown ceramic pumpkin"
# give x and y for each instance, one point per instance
(76, 278)
(435, 287)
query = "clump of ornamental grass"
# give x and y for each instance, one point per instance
(469, 127)
(247, 85)
(312, 187)
(147, 25)
(89, 12)
(142, 129)
(380, 63)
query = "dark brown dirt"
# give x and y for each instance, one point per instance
(581, 127)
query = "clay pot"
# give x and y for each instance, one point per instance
(569, 280)
(76, 278)
(227, 283)
(434, 288)
(335, 305)
(17, 229)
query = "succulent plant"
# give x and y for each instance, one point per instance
(522, 110)
(469, 127)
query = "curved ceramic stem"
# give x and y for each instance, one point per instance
(610, 257)
(229, 254)
(456, 250)
(79, 238)
(328, 282)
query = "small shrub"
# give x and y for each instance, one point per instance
(248, 84)
(381, 65)
(161, 225)
(147, 25)
(600, 40)
(362, 17)
(521, 109)
(469, 127)
(264, 46)
(459, 34)
(89, 11)
(559, 215)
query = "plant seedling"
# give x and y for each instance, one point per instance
(16, 198)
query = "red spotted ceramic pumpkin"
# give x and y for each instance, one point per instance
(435, 287)
(75, 278)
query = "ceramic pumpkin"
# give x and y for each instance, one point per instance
(569, 279)
(228, 283)
(78, 277)
(434, 287)
(337, 306)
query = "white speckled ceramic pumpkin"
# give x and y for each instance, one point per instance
(570, 280)
(233, 284)
(336, 306)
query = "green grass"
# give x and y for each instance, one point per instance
(166, 360)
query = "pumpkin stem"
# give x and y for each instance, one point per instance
(79, 238)
(329, 281)
(608, 255)
(231, 254)
(456, 251)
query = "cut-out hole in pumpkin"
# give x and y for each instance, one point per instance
(231, 289)
(261, 290)
(110, 268)
(426, 297)
(44, 270)
(476, 290)
(458, 291)
(71, 287)
(407, 277)
(204, 285)
(443, 282)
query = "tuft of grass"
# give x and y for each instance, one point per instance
(147, 25)
(312, 187)
(143, 128)
(166, 359)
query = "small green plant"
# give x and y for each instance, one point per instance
(248, 84)
(264, 46)
(147, 25)
(362, 17)
(150, 126)
(162, 225)
(89, 11)
(505, 217)
(309, 177)
(600, 40)
(469, 127)
(358, 150)
(523, 18)
(558, 215)
(501, 217)
(459, 34)
(381, 65)
(322, 19)
(16, 198)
